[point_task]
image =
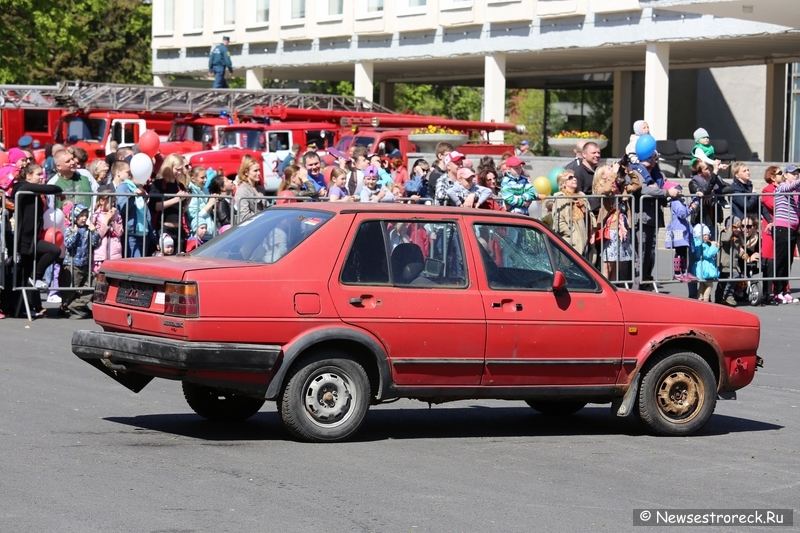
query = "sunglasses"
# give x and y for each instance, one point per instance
(779, 173)
(749, 226)
(571, 178)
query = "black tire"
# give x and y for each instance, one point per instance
(326, 397)
(754, 294)
(220, 406)
(678, 393)
(556, 407)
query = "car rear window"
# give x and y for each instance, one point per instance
(266, 237)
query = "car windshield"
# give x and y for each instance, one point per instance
(187, 132)
(361, 140)
(74, 129)
(244, 138)
(267, 237)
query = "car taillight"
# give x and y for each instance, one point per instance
(100, 288)
(180, 299)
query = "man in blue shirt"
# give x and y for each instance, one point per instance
(218, 61)
(313, 165)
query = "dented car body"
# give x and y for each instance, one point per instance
(328, 308)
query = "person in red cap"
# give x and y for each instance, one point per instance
(452, 162)
(517, 192)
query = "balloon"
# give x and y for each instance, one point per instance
(224, 228)
(553, 177)
(53, 218)
(536, 209)
(645, 146)
(141, 168)
(3, 158)
(149, 143)
(54, 236)
(542, 185)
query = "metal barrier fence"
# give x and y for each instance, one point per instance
(620, 240)
(742, 256)
(5, 254)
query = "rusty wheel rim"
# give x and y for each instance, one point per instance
(680, 393)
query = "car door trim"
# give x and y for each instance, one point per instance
(502, 392)
(436, 361)
(615, 361)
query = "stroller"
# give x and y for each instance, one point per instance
(749, 289)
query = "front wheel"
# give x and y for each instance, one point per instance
(556, 408)
(678, 394)
(326, 398)
(220, 406)
(754, 294)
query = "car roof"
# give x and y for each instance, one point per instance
(399, 208)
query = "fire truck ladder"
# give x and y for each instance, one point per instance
(87, 96)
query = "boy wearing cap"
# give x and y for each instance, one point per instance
(465, 192)
(453, 161)
(80, 239)
(516, 190)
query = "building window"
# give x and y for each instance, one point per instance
(374, 6)
(169, 15)
(197, 14)
(335, 7)
(262, 10)
(417, 3)
(298, 9)
(229, 13)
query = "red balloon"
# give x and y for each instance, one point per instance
(149, 143)
(55, 236)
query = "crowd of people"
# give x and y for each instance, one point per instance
(107, 214)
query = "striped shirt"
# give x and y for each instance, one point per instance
(787, 211)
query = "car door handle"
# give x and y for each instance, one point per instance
(496, 305)
(506, 305)
(357, 302)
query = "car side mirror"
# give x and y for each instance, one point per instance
(559, 281)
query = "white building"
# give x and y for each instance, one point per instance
(725, 65)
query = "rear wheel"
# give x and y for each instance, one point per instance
(678, 394)
(754, 294)
(555, 407)
(220, 406)
(326, 398)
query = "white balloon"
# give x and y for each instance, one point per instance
(535, 209)
(141, 168)
(53, 218)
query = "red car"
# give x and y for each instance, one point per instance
(328, 308)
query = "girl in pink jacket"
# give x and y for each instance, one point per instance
(109, 224)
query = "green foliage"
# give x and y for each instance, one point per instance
(344, 88)
(463, 103)
(526, 106)
(91, 40)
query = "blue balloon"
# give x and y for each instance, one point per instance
(553, 177)
(645, 147)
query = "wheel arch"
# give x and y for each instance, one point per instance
(691, 341)
(367, 351)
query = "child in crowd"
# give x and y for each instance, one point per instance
(703, 150)
(731, 253)
(338, 190)
(167, 245)
(416, 187)
(371, 191)
(679, 237)
(704, 261)
(200, 237)
(466, 192)
(109, 226)
(80, 238)
(548, 217)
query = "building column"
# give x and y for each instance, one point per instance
(775, 110)
(161, 81)
(494, 92)
(656, 89)
(623, 85)
(254, 79)
(387, 94)
(363, 84)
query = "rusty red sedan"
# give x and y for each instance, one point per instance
(329, 308)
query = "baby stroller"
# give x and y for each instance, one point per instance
(749, 289)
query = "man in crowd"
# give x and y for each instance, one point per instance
(218, 61)
(70, 181)
(290, 159)
(578, 151)
(439, 168)
(524, 148)
(590, 158)
(355, 182)
(314, 168)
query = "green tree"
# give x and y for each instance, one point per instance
(91, 40)
(526, 107)
(456, 102)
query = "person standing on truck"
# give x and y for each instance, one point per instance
(218, 61)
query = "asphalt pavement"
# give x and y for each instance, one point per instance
(80, 453)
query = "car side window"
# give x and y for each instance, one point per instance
(406, 254)
(577, 278)
(514, 257)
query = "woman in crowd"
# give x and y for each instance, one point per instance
(786, 220)
(167, 212)
(201, 210)
(296, 180)
(572, 218)
(741, 206)
(706, 184)
(30, 213)
(614, 232)
(399, 173)
(487, 177)
(98, 168)
(771, 176)
(221, 187)
(249, 200)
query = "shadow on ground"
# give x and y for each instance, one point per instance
(442, 423)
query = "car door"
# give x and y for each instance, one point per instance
(411, 284)
(538, 336)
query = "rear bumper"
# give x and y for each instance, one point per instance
(134, 360)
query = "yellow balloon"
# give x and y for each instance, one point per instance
(542, 185)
